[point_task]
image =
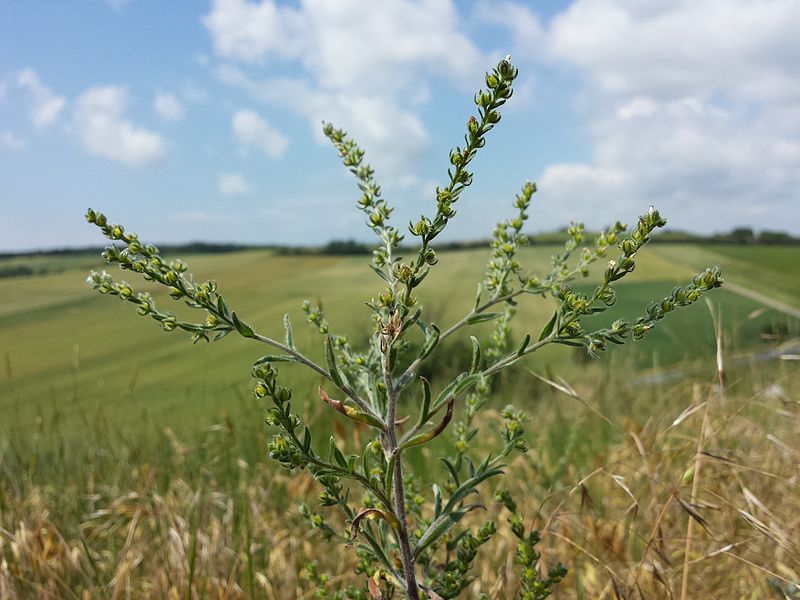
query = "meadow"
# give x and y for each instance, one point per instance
(133, 464)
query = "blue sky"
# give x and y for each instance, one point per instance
(201, 121)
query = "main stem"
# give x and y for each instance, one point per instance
(398, 491)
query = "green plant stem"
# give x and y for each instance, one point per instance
(410, 372)
(315, 367)
(398, 490)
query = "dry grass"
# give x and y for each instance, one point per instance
(200, 525)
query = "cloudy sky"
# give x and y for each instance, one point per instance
(201, 121)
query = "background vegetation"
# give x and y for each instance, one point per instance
(131, 466)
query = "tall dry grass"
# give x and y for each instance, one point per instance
(695, 481)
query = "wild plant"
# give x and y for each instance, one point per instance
(408, 542)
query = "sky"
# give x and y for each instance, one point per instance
(202, 120)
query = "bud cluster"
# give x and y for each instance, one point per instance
(507, 237)
(454, 577)
(371, 201)
(703, 282)
(146, 260)
(514, 430)
(284, 446)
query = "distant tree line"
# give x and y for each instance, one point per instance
(350, 247)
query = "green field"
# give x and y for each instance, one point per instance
(90, 392)
(69, 352)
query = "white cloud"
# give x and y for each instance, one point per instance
(101, 124)
(683, 47)
(253, 131)
(12, 141)
(46, 106)
(359, 68)
(342, 44)
(693, 107)
(232, 184)
(168, 106)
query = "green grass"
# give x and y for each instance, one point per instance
(771, 270)
(70, 354)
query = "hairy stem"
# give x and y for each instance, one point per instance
(315, 367)
(398, 490)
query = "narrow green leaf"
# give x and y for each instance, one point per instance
(437, 501)
(410, 321)
(221, 333)
(426, 402)
(452, 470)
(437, 529)
(483, 317)
(418, 279)
(379, 272)
(337, 455)
(524, 344)
(431, 340)
(287, 327)
(331, 360)
(389, 475)
(222, 308)
(548, 328)
(476, 355)
(466, 383)
(275, 358)
(478, 297)
(365, 462)
(423, 438)
(306, 441)
(453, 389)
(243, 328)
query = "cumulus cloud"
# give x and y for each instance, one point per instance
(103, 128)
(253, 131)
(683, 47)
(46, 106)
(232, 184)
(683, 110)
(367, 70)
(168, 106)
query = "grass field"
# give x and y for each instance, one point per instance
(109, 422)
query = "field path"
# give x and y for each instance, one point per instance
(765, 300)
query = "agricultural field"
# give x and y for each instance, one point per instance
(115, 435)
